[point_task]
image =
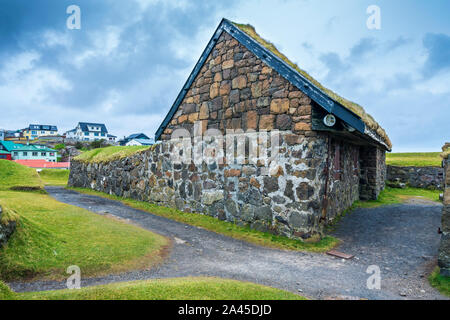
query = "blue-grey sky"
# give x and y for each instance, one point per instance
(127, 63)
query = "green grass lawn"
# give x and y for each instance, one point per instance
(391, 196)
(169, 289)
(52, 236)
(439, 282)
(423, 159)
(161, 289)
(54, 177)
(13, 175)
(223, 227)
(109, 153)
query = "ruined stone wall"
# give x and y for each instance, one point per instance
(417, 177)
(444, 251)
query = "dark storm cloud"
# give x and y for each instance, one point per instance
(142, 39)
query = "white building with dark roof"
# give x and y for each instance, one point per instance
(86, 131)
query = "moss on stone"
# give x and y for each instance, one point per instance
(110, 154)
(352, 106)
(7, 215)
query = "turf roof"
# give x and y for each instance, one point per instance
(446, 151)
(352, 106)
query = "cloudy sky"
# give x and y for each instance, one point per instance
(127, 63)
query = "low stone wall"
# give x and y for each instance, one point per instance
(6, 229)
(287, 196)
(444, 251)
(417, 177)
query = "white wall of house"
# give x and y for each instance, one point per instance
(133, 143)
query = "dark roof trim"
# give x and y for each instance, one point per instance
(85, 127)
(42, 127)
(275, 63)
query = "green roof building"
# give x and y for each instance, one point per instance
(29, 152)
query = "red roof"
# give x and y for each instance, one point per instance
(42, 164)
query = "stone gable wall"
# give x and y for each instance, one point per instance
(281, 201)
(236, 90)
(417, 177)
(294, 195)
(444, 251)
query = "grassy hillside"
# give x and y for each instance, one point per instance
(54, 177)
(109, 153)
(6, 293)
(15, 175)
(170, 289)
(423, 159)
(51, 236)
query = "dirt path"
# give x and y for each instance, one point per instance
(402, 240)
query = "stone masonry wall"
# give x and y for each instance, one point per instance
(373, 172)
(444, 251)
(314, 178)
(417, 177)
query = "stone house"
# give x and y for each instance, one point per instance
(243, 82)
(330, 152)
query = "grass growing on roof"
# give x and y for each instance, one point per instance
(417, 159)
(7, 215)
(54, 177)
(440, 282)
(51, 236)
(170, 289)
(352, 106)
(109, 153)
(16, 175)
(390, 196)
(222, 227)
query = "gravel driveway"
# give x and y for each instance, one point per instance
(402, 240)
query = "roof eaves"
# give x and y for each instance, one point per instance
(284, 69)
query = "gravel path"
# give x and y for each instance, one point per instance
(402, 240)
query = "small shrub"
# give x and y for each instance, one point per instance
(79, 145)
(59, 146)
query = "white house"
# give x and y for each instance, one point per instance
(140, 142)
(88, 132)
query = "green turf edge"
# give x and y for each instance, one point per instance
(415, 159)
(222, 227)
(440, 282)
(188, 288)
